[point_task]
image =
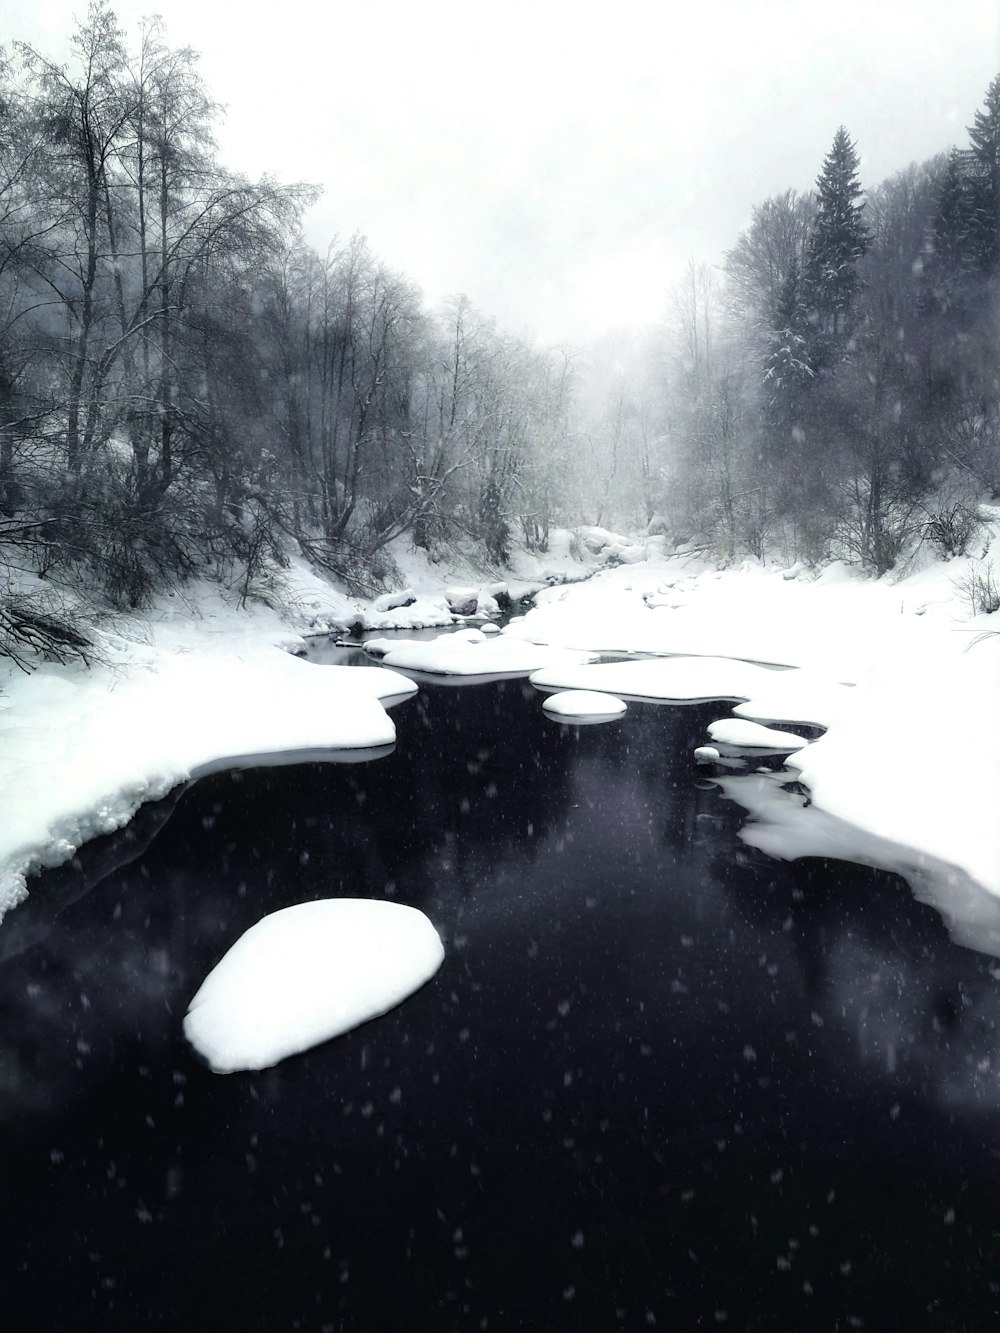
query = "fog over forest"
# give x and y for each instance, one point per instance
(189, 387)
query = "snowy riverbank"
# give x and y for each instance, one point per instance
(906, 682)
(910, 696)
(196, 685)
(174, 697)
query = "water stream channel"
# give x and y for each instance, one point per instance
(660, 1079)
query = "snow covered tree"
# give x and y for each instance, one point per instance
(758, 266)
(984, 159)
(81, 117)
(949, 259)
(118, 225)
(788, 372)
(766, 295)
(839, 238)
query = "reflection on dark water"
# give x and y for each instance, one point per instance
(659, 1079)
(93, 863)
(785, 824)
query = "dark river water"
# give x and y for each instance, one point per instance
(659, 1080)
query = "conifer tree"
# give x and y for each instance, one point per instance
(984, 159)
(950, 257)
(839, 237)
(787, 371)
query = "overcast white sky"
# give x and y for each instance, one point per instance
(560, 161)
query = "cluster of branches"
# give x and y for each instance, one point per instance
(836, 390)
(186, 387)
(391, 421)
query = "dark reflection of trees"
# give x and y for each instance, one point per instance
(876, 962)
(473, 768)
(650, 749)
(816, 900)
(54, 890)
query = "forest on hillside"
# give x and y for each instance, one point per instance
(188, 388)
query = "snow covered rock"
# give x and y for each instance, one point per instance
(751, 735)
(389, 601)
(462, 601)
(308, 973)
(706, 754)
(584, 706)
(596, 539)
(500, 592)
(416, 613)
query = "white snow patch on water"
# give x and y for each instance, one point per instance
(469, 653)
(308, 973)
(669, 679)
(584, 705)
(750, 735)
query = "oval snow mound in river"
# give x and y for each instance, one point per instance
(584, 706)
(751, 735)
(308, 973)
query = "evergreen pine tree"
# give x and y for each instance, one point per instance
(984, 161)
(784, 398)
(787, 368)
(839, 237)
(950, 257)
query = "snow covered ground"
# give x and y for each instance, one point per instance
(906, 684)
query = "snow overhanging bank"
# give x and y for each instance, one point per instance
(80, 751)
(785, 825)
(905, 685)
(916, 760)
